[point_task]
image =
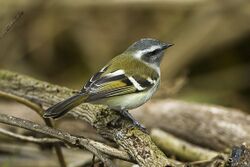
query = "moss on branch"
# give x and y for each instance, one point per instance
(138, 144)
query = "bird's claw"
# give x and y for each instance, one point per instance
(141, 127)
(127, 115)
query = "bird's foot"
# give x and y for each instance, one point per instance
(141, 127)
(127, 115)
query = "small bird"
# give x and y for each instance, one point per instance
(126, 82)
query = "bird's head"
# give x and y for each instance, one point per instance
(149, 50)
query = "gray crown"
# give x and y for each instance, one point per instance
(146, 43)
(149, 50)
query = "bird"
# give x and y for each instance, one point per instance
(126, 82)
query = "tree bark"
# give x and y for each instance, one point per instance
(215, 127)
(138, 144)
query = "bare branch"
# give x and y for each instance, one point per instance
(62, 136)
(24, 101)
(57, 146)
(11, 24)
(66, 137)
(34, 155)
(29, 138)
(180, 148)
(215, 127)
(39, 110)
(136, 143)
(111, 151)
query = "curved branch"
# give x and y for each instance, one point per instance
(181, 148)
(39, 110)
(136, 143)
(95, 147)
(29, 138)
(210, 126)
(110, 151)
(24, 101)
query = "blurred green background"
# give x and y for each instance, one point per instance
(65, 42)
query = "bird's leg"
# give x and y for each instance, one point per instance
(127, 115)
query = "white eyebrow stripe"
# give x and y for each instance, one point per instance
(139, 53)
(135, 83)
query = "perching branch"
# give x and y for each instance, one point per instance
(138, 147)
(137, 144)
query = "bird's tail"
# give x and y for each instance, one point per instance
(64, 106)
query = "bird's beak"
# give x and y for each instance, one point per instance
(167, 45)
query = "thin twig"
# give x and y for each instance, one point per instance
(24, 101)
(29, 138)
(11, 24)
(111, 151)
(99, 148)
(57, 146)
(39, 110)
(93, 161)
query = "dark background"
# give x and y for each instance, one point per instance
(65, 42)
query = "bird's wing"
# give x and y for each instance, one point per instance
(116, 83)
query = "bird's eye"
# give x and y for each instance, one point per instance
(148, 54)
(155, 52)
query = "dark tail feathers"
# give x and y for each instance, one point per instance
(64, 106)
